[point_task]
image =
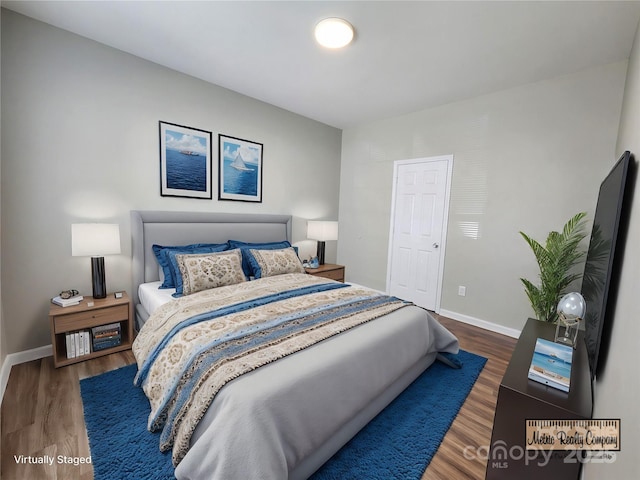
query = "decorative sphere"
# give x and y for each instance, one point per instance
(572, 306)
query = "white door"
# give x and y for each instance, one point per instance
(418, 230)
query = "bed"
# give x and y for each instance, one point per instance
(288, 417)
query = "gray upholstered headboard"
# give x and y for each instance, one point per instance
(182, 228)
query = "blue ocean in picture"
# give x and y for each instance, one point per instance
(553, 364)
(240, 179)
(186, 170)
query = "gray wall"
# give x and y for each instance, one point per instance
(80, 144)
(525, 159)
(3, 339)
(617, 389)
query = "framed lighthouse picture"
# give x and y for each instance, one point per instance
(239, 169)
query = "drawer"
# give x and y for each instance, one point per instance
(337, 274)
(91, 318)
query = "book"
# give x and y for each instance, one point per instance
(70, 350)
(87, 343)
(551, 364)
(76, 340)
(80, 343)
(101, 329)
(104, 344)
(67, 302)
(107, 339)
(106, 333)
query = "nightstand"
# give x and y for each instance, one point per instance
(84, 318)
(328, 270)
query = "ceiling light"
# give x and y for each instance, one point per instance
(334, 33)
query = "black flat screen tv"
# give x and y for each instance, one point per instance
(602, 268)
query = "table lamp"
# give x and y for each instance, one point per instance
(322, 231)
(95, 240)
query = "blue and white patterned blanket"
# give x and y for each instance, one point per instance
(189, 349)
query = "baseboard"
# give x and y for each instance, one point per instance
(20, 357)
(4, 377)
(493, 327)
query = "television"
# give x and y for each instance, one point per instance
(604, 258)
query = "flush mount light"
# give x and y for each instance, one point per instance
(334, 33)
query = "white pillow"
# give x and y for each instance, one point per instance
(203, 271)
(267, 263)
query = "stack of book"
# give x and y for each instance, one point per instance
(106, 336)
(67, 302)
(78, 343)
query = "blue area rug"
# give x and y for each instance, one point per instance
(398, 444)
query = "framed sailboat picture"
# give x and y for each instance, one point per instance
(185, 161)
(239, 169)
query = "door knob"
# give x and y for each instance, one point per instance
(436, 245)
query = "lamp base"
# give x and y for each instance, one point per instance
(320, 252)
(97, 276)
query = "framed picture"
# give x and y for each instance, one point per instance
(239, 169)
(185, 161)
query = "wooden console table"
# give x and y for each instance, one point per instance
(521, 399)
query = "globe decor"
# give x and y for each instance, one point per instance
(571, 311)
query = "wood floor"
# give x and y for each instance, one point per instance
(456, 458)
(42, 416)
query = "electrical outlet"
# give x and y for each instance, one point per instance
(462, 291)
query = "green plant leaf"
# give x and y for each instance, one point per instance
(556, 261)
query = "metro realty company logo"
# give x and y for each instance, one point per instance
(600, 434)
(569, 441)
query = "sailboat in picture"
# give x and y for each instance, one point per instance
(238, 164)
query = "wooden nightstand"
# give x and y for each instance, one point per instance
(83, 318)
(328, 270)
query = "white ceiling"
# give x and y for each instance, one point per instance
(407, 56)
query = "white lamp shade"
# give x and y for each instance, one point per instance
(95, 239)
(322, 230)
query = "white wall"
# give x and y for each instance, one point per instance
(617, 390)
(525, 159)
(2, 337)
(3, 350)
(80, 143)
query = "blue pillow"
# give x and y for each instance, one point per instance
(245, 246)
(162, 257)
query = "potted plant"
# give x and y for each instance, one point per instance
(556, 260)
